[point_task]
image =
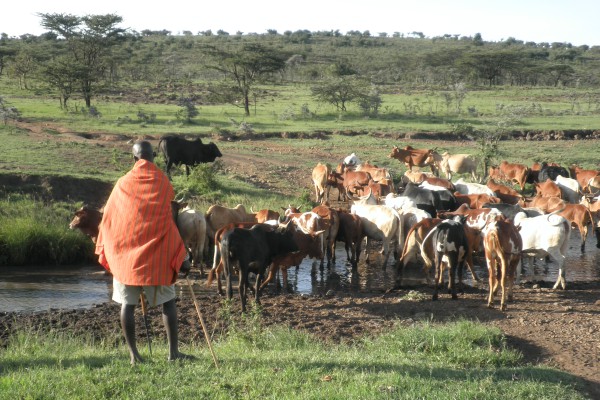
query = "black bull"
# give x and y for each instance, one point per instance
(177, 150)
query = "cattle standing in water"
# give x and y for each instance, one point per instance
(177, 150)
(546, 235)
(254, 250)
(449, 243)
(503, 246)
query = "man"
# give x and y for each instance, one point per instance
(139, 244)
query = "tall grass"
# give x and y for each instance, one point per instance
(462, 360)
(35, 233)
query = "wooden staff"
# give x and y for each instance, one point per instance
(145, 314)
(202, 322)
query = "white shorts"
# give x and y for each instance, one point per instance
(130, 295)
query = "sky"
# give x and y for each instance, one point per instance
(565, 21)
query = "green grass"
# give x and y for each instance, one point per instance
(402, 110)
(457, 360)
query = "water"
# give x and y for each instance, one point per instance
(38, 289)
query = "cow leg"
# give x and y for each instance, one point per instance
(513, 265)
(583, 231)
(503, 271)
(452, 267)
(270, 276)
(491, 262)
(386, 253)
(438, 273)
(560, 281)
(243, 283)
(259, 278)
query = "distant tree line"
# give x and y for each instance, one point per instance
(90, 55)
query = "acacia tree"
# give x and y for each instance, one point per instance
(243, 69)
(89, 40)
(343, 90)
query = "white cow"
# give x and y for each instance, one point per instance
(463, 187)
(192, 228)
(570, 189)
(398, 202)
(460, 164)
(380, 223)
(352, 160)
(545, 235)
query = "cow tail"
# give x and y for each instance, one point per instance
(428, 261)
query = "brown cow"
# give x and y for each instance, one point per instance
(412, 157)
(379, 175)
(331, 221)
(583, 176)
(350, 232)
(503, 245)
(510, 172)
(320, 175)
(546, 204)
(352, 181)
(309, 245)
(548, 189)
(87, 220)
(580, 217)
(475, 200)
(506, 194)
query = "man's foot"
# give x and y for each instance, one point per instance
(181, 356)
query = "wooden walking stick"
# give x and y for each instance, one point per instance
(145, 314)
(202, 322)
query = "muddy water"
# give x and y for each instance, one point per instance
(27, 289)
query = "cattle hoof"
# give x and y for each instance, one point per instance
(503, 307)
(434, 297)
(490, 305)
(454, 297)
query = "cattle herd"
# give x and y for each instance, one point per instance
(420, 218)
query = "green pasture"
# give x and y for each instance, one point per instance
(291, 108)
(462, 360)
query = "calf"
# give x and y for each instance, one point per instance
(450, 243)
(350, 232)
(546, 235)
(331, 225)
(510, 172)
(320, 175)
(87, 220)
(503, 245)
(254, 250)
(309, 245)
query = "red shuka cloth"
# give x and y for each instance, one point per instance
(138, 240)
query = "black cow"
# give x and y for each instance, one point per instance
(441, 200)
(450, 243)
(177, 150)
(551, 172)
(254, 250)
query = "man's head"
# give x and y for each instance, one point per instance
(143, 150)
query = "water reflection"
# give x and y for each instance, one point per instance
(38, 289)
(27, 289)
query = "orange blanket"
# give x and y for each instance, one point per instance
(138, 240)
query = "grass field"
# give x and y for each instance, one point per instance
(461, 360)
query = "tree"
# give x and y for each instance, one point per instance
(243, 69)
(89, 41)
(344, 90)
